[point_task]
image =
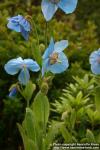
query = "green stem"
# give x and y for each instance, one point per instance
(46, 34)
(27, 103)
(44, 123)
(37, 51)
(44, 126)
(38, 42)
(25, 80)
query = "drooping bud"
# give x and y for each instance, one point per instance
(13, 91)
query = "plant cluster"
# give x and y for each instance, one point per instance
(36, 61)
(78, 109)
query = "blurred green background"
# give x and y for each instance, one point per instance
(82, 29)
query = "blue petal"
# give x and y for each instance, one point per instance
(60, 46)
(24, 33)
(14, 23)
(15, 19)
(13, 66)
(94, 56)
(68, 6)
(95, 68)
(25, 24)
(61, 66)
(24, 76)
(14, 26)
(48, 9)
(45, 66)
(49, 50)
(31, 65)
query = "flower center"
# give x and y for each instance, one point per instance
(24, 66)
(54, 1)
(53, 58)
(98, 60)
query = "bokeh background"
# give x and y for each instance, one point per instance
(82, 29)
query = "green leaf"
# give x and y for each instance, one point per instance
(84, 140)
(28, 91)
(97, 99)
(90, 136)
(41, 108)
(96, 116)
(32, 145)
(65, 133)
(28, 144)
(32, 129)
(79, 97)
(24, 137)
(52, 132)
(90, 113)
(73, 118)
(29, 124)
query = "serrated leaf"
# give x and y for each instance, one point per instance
(53, 130)
(79, 97)
(65, 133)
(90, 136)
(73, 118)
(96, 116)
(90, 114)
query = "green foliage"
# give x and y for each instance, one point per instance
(28, 131)
(76, 108)
(97, 99)
(89, 10)
(76, 95)
(67, 27)
(34, 127)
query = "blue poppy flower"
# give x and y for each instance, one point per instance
(19, 24)
(49, 7)
(22, 66)
(54, 60)
(95, 62)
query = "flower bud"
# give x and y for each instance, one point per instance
(64, 115)
(42, 47)
(44, 88)
(13, 91)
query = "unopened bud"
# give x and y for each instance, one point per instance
(13, 91)
(64, 115)
(44, 88)
(42, 47)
